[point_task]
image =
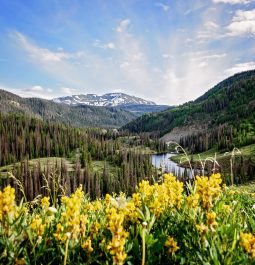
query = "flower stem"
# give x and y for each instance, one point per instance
(143, 240)
(66, 251)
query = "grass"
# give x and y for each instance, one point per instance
(223, 158)
(44, 161)
(244, 188)
(98, 166)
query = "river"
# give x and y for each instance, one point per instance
(162, 161)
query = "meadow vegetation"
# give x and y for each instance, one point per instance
(167, 222)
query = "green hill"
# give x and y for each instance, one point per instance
(79, 116)
(223, 116)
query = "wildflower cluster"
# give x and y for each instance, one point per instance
(7, 202)
(207, 223)
(208, 189)
(72, 222)
(119, 235)
(171, 245)
(161, 197)
(248, 243)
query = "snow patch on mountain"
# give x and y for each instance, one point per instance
(109, 99)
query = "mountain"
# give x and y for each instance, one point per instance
(109, 100)
(137, 106)
(228, 109)
(79, 116)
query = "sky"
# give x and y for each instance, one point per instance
(169, 51)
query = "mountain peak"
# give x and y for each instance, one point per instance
(109, 99)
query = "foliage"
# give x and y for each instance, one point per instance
(160, 223)
(79, 116)
(226, 113)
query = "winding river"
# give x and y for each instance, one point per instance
(162, 161)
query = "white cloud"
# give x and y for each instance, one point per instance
(210, 25)
(163, 6)
(43, 54)
(171, 77)
(35, 89)
(166, 56)
(237, 68)
(233, 2)
(243, 23)
(68, 90)
(123, 25)
(208, 57)
(28, 92)
(99, 44)
(124, 64)
(202, 64)
(244, 15)
(110, 45)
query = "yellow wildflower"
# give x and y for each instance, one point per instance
(7, 202)
(119, 235)
(174, 190)
(232, 192)
(208, 189)
(107, 199)
(20, 261)
(248, 243)
(202, 228)
(171, 244)
(136, 199)
(94, 228)
(71, 219)
(193, 200)
(87, 246)
(211, 219)
(227, 208)
(45, 202)
(37, 225)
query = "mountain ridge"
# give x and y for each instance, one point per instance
(78, 116)
(109, 99)
(231, 102)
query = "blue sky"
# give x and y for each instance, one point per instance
(166, 51)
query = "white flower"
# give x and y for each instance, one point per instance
(53, 209)
(144, 224)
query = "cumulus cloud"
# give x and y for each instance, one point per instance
(233, 2)
(243, 23)
(240, 67)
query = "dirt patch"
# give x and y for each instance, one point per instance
(178, 132)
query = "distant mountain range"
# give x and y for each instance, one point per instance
(106, 100)
(111, 110)
(133, 104)
(78, 116)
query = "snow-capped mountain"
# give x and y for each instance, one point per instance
(109, 99)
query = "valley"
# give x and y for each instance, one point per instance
(127, 132)
(89, 169)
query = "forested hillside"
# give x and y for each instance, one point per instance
(71, 157)
(79, 116)
(227, 112)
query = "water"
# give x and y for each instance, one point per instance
(163, 162)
